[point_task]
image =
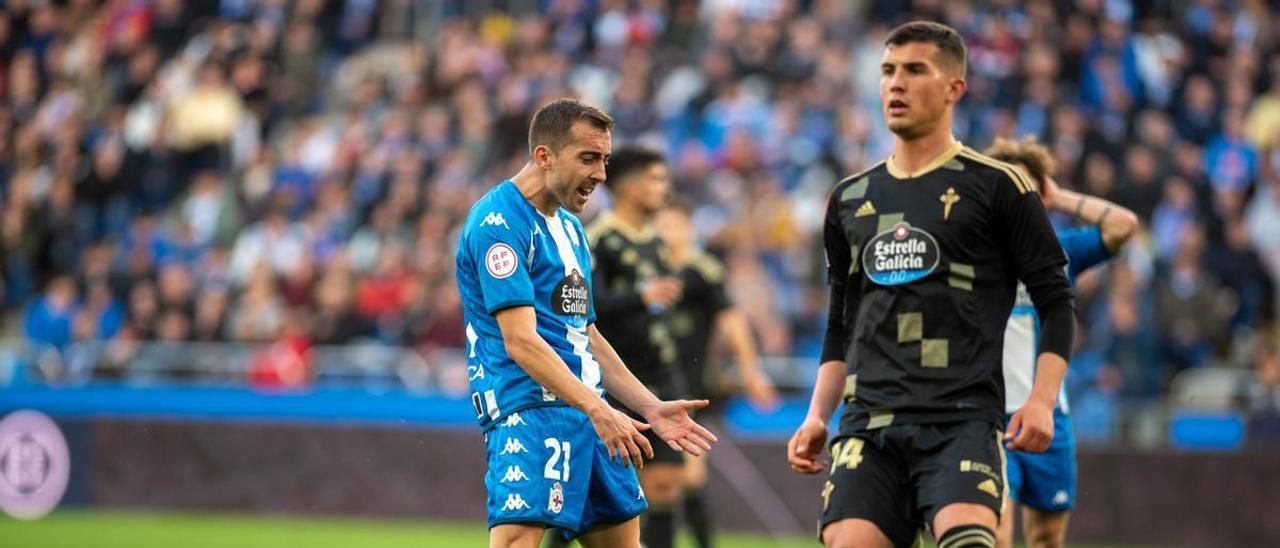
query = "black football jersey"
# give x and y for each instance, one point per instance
(623, 260)
(929, 264)
(694, 318)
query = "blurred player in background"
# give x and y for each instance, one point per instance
(924, 254)
(559, 455)
(705, 310)
(1045, 483)
(635, 291)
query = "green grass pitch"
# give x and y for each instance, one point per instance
(114, 529)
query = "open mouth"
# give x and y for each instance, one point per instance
(585, 191)
(897, 106)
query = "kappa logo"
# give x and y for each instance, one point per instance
(989, 487)
(555, 500)
(514, 474)
(513, 419)
(513, 446)
(867, 208)
(515, 502)
(495, 219)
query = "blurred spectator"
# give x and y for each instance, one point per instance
(1262, 395)
(251, 171)
(48, 320)
(1189, 306)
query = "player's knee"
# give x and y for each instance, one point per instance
(854, 533)
(968, 536)
(1046, 536)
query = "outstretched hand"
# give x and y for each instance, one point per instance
(670, 421)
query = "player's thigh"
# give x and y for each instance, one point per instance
(695, 471)
(1044, 529)
(516, 535)
(867, 487)
(625, 534)
(959, 475)
(663, 481)
(662, 477)
(854, 533)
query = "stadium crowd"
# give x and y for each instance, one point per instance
(295, 170)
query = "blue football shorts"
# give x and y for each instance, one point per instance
(1046, 481)
(547, 466)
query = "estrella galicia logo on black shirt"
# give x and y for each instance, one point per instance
(900, 255)
(571, 296)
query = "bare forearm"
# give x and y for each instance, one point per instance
(1116, 222)
(1050, 370)
(733, 324)
(541, 362)
(827, 390)
(618, 380)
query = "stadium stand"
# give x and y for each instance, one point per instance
(290, 175)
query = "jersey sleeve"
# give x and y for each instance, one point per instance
(501, 253)
(1037, 260)
(1028, 238)
(839, 259)
(1084, 248)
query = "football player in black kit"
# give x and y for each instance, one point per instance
(703, 312)
(924, 253)
(635, 290)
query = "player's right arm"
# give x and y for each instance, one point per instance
(807, 443)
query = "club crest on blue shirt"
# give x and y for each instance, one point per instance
(571, 296)
(900, 255)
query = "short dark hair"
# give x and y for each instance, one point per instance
(1031, 156)
(628, 160)
(552, 123)
(950, 44)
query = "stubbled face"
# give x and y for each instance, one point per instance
(650, 188)
(578, 167)
(916, 88)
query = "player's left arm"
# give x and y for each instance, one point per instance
(1038, 260)
(668, 419)
(733, 324)
(1116, 222)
